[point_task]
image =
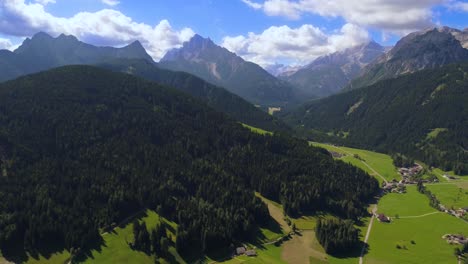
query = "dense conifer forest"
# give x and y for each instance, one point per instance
(83, 148)
(422, 115)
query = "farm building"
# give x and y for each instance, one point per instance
(240, 251)
(251, 253)
(383, 218)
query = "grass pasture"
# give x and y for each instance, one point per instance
(372, 162)
(425, 231)
(257, 130)
(450, 195)
(117, 250)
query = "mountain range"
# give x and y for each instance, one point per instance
(203, 58)
(329, 74)
(428, 49)
(43, 52)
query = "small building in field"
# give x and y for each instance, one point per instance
(251, 253)
(383, 218)
(240, 251)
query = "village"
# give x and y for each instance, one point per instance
(411, 176)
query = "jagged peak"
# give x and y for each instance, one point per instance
(41, 35)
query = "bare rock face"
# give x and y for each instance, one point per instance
(329, 74)
(203, 58)
(417, 51)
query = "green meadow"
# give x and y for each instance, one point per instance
(450, 195)
(117, 250)
(417, 231)
(420, 238)
(257, 130)
(376, 164)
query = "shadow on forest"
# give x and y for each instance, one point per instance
(355, 252)
(16, 253)
(257, 240)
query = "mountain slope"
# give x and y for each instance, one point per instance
(43, 52)
(428, 49)
(398, 116)
(216, 97)
(203, 58)
(82, 148)
(329, 74)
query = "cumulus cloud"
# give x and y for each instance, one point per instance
(45, 2)
(461, 6)
(294, 45)
(396, 16)
(252, 4)
(105, 27)
(110, 2)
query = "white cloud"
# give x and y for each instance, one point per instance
(252, 4)
(295, 45)
(396, 16)
(458, 5)
(110, 2)
(105, 27)
(45, 2)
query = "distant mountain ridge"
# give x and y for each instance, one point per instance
(203, 58)
(330, 73)
(43, 52)
(428, 49)
(422, 114)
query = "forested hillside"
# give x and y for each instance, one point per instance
(82, 148)
(423, 115)
(216, 97)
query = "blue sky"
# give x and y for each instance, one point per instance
(264, 31)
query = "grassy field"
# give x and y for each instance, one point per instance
(257, 130)
(408, 204)
(450, 195)
(425, 232)
(372, 162)
(117, 250)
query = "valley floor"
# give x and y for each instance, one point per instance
(414, 234)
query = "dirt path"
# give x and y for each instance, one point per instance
(365, 163)
(277, 214)
(301, 247)
(419, 216)
(369, 228)
(376, 173)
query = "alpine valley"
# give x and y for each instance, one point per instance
(107, 155)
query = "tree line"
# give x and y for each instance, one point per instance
(85, 148)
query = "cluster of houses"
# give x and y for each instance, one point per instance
(244, 251)
(411, 171)
(455, 239)
(408, 175)
(455, 212)
(394, 187)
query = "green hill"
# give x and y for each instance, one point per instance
(424, 115)
(83, 148)
(216, 97)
